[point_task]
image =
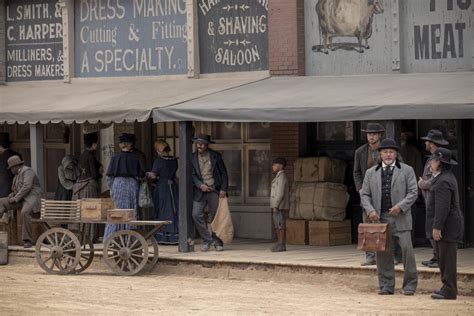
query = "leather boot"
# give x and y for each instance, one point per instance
(281, 244)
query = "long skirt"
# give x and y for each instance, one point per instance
(86, 190)
(124, 192)
(165, 201)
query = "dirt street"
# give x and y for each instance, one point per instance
(26, 289)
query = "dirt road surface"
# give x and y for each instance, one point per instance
(26, 289)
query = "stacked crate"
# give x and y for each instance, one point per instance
(318, 201)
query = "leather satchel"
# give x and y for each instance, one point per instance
(373, 237)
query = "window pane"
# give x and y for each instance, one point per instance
(259, 177)
(447, 127)
(226, 131)
(259, 131)
(339, 131)
(233, 162)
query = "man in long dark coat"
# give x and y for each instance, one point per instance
(6, 177)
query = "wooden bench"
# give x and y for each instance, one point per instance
(60, 210)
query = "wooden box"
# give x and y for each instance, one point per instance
(120, 215)
(297, 231)
(95, 209)
(325, 233)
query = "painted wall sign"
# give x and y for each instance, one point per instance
(34, 40)
(233, 35)
(130, 38)
(439, 35)
(348, 37)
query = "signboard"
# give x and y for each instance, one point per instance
(350, 37)
(34, 40)
(130, 38)
(438, 35)
(233, 35)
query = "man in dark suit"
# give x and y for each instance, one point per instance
(388, 192)
(210, 182)
(6, 177)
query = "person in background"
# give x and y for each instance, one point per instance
(123, 177)
(138, 154)
(411, 154)
(210, 182)
(87, 184)
(165, 194)
(445, 219)
(433, 141)
(365, 157)
(6, 177)
(26, 195)
(280, 202)
(388, 192)
(68, 173)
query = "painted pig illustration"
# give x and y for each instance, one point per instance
(346, 18)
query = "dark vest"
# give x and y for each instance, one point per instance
(386, 189)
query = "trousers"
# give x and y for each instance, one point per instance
(447, 260)
(210, 199)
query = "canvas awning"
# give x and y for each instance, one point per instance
(341, 98)
(105, 100)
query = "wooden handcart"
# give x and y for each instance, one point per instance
(64, 251)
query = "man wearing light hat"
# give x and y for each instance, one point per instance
(26, 195)
(433, 140)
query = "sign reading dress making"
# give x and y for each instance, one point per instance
(130, 38)
(233, 35)
(34, 40)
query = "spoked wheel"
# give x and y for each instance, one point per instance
(87, 255)
(58, 251)
(125, 252)
(152, 254)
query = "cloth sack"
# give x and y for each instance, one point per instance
(222, 224)
(373, 237)
(144, 196)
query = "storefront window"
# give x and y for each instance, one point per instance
(259, 131)
(259, 173)
(335, 131)
(449, 128)
(233, 162)
(226, 131)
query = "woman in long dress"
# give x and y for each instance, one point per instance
(123, 177)
(165, 194)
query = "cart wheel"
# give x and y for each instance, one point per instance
(152, 255)
(125, 252)
(87, 255)
(58, 251)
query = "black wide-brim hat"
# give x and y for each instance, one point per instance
(374, 128)
(91, 138)
(388, 143)
(206, 139)
(444, 155)
(5, 138)
(436, 136)
(127, 138)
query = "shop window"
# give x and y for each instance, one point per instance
(335, 131)
(449, 128)
(245, 148)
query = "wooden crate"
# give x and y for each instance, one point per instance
(60, 210)
(95, 209)
(12, 230)
(325, 233)
(122, 215)
(297, 231)
(36, 229)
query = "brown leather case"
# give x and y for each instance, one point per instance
(373, 237)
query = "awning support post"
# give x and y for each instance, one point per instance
(36, 149)
(185, 187)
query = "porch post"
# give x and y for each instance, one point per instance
(185, 186)
(36, 148)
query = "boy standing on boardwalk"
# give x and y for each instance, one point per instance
(279, 202)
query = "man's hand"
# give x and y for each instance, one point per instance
(373, 216)
(274, 209)
(11, 200)
(395, 210)
(205, 188)
(437, 234)
(222, 194)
